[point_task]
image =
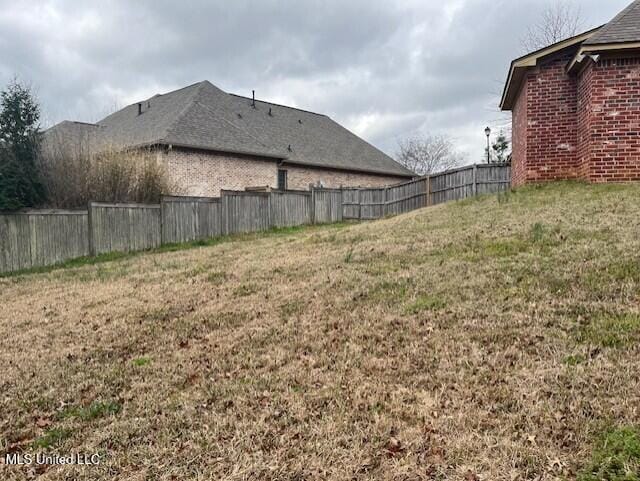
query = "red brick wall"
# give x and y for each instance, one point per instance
(610, 123)
(585, 80)
(551, 141)
(585, 126)
(519, 138)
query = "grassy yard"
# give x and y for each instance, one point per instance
(491, 339)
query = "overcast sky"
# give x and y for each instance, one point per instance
(384, 69)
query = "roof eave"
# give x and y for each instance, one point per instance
(349, 169)
(595, 49)
(282, 158)
(530, 60)
(608, 47)
(516, 75)
(168, 143)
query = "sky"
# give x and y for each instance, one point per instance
(386, 70)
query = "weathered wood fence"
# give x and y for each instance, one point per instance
(468, 182)
(456, 184)
(123, 227)
(45, 237)
(186, 219)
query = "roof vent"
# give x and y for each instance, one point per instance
(239, 115)
(300, 121)
(253, 101)
(289, 148)
(139, 109)
(270, 113)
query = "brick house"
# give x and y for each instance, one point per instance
(210, 140)
(576, 106)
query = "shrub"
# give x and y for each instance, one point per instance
(74, 173)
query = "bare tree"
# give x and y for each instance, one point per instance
(428, 154)
(559, 20)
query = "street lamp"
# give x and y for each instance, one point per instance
(487, 132)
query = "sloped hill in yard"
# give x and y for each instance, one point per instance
(492, 339)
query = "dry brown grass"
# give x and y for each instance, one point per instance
(492, 339)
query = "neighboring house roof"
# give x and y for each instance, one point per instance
(75, 132)
(203, 116)
(621, 33)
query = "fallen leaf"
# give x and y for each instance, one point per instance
(43, 422)
(394, 446)
(471, 476)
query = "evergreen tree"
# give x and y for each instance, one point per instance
(19, 140)
(501, 148)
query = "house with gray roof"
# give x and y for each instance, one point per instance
(210, 140)
(576, 106)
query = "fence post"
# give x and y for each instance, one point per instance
(359, 204)
(92, 245)
(385, 207)
(475, 180)
(224, 222)
(313, 205)
(162, 234)
(428, 190)
(196, 220)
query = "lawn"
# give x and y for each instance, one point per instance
(489, 339)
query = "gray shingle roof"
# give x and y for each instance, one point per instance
(203, 116)
(625, 27)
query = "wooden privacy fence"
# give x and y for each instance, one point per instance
(289, 209)
(45, 237)
(369, 204)
(327, 206)
(40, 238)
(469, 181)
(246, 211)
(456, 184)
(186, 219)
(123, 227)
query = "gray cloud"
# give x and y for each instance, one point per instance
(383, 69)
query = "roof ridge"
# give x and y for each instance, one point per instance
(279, 105)
(83, 123)
(199, 84)
(183, 112)
(625, 12)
